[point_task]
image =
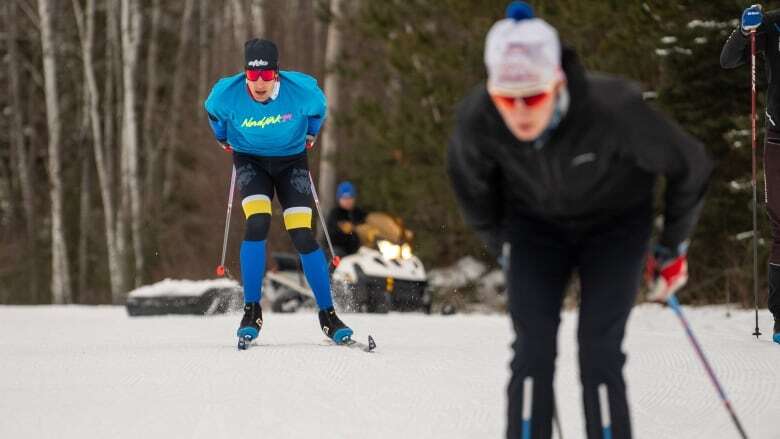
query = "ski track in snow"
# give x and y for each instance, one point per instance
(93, 372)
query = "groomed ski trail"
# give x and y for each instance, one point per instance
(94, 372)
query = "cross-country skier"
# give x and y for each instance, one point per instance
(343, 220)
(736, 52)
(555, 168)
(269, 118)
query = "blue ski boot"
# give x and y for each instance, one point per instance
(333, 327)
(250, 324)
(776, 337)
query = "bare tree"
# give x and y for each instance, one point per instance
(85, 218)
(150, 104)
(131, 41)
(327, 177)
(203, 49)
(86, 26)
(239, 23)
(185, 35)
(258, 19)
(17, 140)
(60, 277)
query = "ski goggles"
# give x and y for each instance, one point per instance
(265, 75)
(530, 101)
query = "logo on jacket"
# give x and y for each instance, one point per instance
(250, 122)
(257, 63)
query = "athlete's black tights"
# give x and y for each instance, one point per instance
(608, 259)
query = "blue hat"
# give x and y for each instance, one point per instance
(346, 189)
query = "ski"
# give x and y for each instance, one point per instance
(355, 344)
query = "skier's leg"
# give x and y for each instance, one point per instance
(256, 189)
(292, 186)
(539, 269)
(610, 268)
(294, 190)
(772, 194)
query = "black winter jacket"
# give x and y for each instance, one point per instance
(348, 242)
(736, 52)
(599, 164)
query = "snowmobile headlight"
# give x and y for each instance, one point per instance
(388, 249)
(406, 251)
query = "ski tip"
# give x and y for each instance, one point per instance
(371, 344)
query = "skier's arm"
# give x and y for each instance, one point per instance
(317, 111)
(217, 123)
(663, 148)
(474, 180)
(736, 50)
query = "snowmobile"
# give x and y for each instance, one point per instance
(207, 297)
(383, 275)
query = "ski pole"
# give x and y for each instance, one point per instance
(335, 260)
(675, 305)
(757, 332)
(221, 266)
(528, 391)
(606, 419)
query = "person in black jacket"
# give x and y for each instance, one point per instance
(554, 169)
(736, 52)
(343, 219)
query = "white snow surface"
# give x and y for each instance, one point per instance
(93, 372)
(181, 287)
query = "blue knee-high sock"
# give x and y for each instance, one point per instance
(316, 270)
(252, 269)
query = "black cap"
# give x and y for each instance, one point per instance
(260, 54)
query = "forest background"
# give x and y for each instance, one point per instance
(110, 177)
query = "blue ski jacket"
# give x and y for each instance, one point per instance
(276, 128)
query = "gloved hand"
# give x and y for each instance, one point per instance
(226, 146)
(310, 139)
(346, 227)
(666, 272)
(751, 18)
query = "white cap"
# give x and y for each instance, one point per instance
(523, 57)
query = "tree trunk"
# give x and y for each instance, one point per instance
(131, 39)
(150, 107)
(185, 35)
(258, 19)
(115, 163)
(22, 164)
(327, 177)
(60, 277)
(86, 25)
(85, 220)
(239, 23)
(203, 44)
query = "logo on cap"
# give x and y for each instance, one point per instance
(257, 63)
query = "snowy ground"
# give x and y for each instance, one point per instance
(81, 372)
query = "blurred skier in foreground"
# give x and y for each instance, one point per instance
(555, 169)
